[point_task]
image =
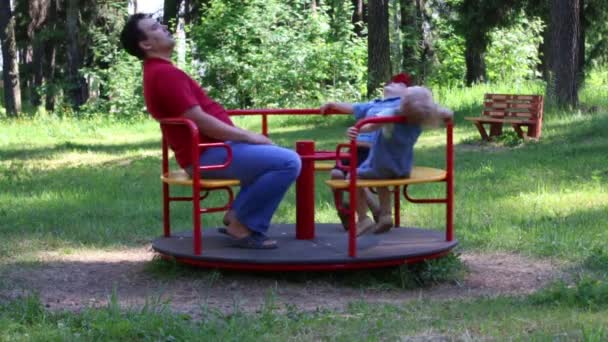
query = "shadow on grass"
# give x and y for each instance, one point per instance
(449, 268)
(34, 153)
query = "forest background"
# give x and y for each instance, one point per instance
(63, 56)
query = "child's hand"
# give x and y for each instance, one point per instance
(352, 132)
(326, 108)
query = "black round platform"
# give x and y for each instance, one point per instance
(327, 251)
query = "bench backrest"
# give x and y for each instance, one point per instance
(527, 107)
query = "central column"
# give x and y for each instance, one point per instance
(305, 191)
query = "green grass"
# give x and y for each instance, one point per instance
(499, 318)
(68, 185)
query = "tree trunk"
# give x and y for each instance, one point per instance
(475, 49)
(10, 68)
(38, 12)
(427, 54)
(417, 39)
(545, 57)
(50, 52)
(77, 86)
(170, 13)
(378, 46)
(581, 45)
(359, 19)
(566, 34)
(411, 36)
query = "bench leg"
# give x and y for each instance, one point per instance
(534, 130)
(517, 129)
(495, 129)
(482, 131)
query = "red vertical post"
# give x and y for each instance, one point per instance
(397, 205)
(352, 199)
(197, 238)
(305, 192)
(265, 124)
(166, 206)
(449, 233)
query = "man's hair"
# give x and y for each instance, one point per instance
(131, 35)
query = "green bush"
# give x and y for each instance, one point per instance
(260, 53)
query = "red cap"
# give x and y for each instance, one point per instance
(401, 78)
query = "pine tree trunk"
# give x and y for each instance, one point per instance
(566, 33)
(475, 48)
(38, 11)
(581, 45)
(170, 13)
(77, 86)
(10, 68)
(378, 46)
(359, 18)
(545, 57)
(50, 56)
(411, 35)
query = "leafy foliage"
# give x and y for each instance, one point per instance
(513, 52)
(289, 58)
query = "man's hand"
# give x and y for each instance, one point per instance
(352, 132)
(259, 139)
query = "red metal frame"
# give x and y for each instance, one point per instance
(352, 186)
(304, 267)
(304, 187)
(197, 149)
(305, 192)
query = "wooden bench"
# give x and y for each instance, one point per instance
(517, 110)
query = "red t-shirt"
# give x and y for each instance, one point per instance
(168, 93)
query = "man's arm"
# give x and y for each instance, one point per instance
(340, 107)
(214, 128)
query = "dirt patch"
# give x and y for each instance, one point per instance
(87, 279)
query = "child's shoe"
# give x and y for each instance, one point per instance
(384, 224)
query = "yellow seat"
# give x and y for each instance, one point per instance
(180, 177)
(324, 165)
(419, 174)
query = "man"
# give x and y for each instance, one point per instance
(266, 171)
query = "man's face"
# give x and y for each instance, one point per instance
(158, 38)
(395, 89)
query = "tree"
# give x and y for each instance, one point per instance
(39, 11)
(417, 42)
(566, 33)
(171, 12)
(10, 69)
(359, 17)
(378, 45)
(77, 87)
(477, 18)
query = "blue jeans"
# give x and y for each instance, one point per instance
(265, 171)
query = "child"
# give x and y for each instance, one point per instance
(393, 90)
(392, 151)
